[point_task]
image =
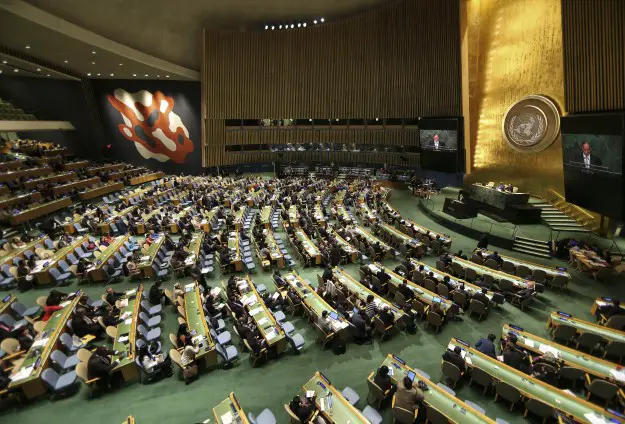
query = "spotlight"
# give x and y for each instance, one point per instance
(280, 27)
(92, 52)
(304, 24)
(146, 75)
(315, 22)
(89, 75)
(273, 27)
(166, 76)
(28, 47)
(66, 61)
(292, 26)
(93, 63)
(134, 75)
(98, 74)
(299, 25)
(112, 75)
(322, 20)
(266, 27)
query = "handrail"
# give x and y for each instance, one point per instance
(583, 211)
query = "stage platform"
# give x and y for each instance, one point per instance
(500, 233)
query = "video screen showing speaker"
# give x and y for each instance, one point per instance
(592, 154)
(438, 140)
(441, 143)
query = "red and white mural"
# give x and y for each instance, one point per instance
(152, 125)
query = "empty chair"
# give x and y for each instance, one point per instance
(522, 271)
(588, 341)
(296, 341)
(616, 322)
(602, 389)
(151, 335)
(536, 407)
(150, 321)
(280, 317)
(159, 274)
(434, 416)
(72, 259)
(615, 349)
(60, 278)
(435, 320)
(564, 333)
(559, 282)
(539, 276)
(508, 267)
(227, 353)
(482, 378)
(81, 254)
(350, 394)
(288, 328)
(79, 229)
(265, 417)
(372, 415)
(24, 312)
(63, 361)
(59, 383)
(479, 308)
(507, 392)
(151, 310)
(573, 375)
(451, 372)
(475, 406)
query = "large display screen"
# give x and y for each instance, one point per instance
(443, 140)
(592, 154)
(441, 143)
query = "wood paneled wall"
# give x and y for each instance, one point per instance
(594, 54)
(399, 61)
(396, 159)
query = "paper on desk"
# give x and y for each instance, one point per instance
(595, 419)
(500, 358)
(227, 418)
(41, 342)
(131, 293)
(64, 304)
(128, 321)
(619, 375)
(545, 348)
(190, 286)
(256, 311)
(271, 334)
(528, 343)
(262, 321)
(123, 303)
(144, 258)
(390, 371)
(123, 339)
(468, 360)
(23, 373)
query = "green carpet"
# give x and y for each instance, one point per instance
(274, 383)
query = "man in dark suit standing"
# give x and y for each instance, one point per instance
(587, 159)
(436, 143)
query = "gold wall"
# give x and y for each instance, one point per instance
(514, 50)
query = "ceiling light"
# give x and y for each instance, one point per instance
(292, 26)
(48, 75)
(28, 47)
(146, 75)
(158, 76)
(98, 74)
(304, 24)
(16, 70)
(92, 52)
(89, 75)
(0, 71)
(121, 64)
(322, 20)
(266, 26)
(299, 25)
(112, 75)
(134, 75)
(38, 69)
(280, 27)
(315, 21)
(4, 61)
(273, 27)
(166, 76)
(66, 61)
(93, 63)
(310, 120)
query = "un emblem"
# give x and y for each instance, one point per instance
(531, 124)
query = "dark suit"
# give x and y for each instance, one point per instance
(513, 358)
(486, 347)
(454, 358)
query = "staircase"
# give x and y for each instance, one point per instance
(557, 220)
(539, 248)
